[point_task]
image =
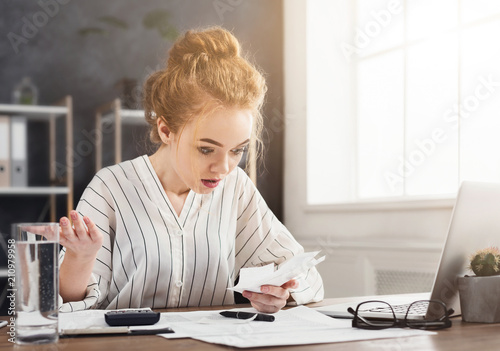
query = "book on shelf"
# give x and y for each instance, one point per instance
(18, 151)
(4, 151)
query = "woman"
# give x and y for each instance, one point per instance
(174, 229)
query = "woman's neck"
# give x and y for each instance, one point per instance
(169, 178)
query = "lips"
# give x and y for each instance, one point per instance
(210, 183)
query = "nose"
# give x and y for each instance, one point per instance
(221, 165)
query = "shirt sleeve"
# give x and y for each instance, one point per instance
(262, 239)
(96, 203)
(97, 290)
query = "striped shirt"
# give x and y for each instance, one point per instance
(151, 257)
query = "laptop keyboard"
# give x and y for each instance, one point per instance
(419, 308)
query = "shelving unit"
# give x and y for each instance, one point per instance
(64, 110)
(112, 112)
(35, 190)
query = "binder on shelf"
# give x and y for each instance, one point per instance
(4, 151)
(18, 151)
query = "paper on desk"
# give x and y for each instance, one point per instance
(82, 320)
(194, 324)
(90, 320)
(296, 326)
(251, 279)
(309, 337)
(188, 324)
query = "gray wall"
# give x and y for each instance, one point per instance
(43, 39)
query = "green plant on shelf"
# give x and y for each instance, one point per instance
(158, 20)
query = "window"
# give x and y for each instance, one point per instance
(403, 98)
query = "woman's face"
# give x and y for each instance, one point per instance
(206, 151)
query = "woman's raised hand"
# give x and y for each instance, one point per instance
(83, 239)
(273, 298)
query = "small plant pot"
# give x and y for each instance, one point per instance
(480, 298)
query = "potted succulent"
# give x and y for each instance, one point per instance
(480, 294)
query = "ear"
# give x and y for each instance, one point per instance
(164, 131)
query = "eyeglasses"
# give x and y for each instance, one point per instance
(437, 315)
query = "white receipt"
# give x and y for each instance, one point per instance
(251, 279)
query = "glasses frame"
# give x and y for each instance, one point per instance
(442, 323)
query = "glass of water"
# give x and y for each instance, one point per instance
(37, 282)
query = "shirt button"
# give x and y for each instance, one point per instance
(178, 284)
(179, 232)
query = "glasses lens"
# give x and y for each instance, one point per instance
(374, 315)
(436, 315)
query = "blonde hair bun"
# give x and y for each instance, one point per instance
(204, 71)
(212, 43)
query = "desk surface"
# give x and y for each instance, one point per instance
(461, 336)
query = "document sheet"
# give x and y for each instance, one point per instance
(253, 278)
(296, 326)
(93, 322)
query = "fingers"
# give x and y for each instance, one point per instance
(50, 232)
(94, 232)
(271, 300)
(66, 231)
(291, 284)
(275, 291)
(80, 228)
(82, 240)
(267, 303)
(47, 231)
(265, 308)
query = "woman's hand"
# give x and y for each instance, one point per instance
(272, 299)
(83, 240)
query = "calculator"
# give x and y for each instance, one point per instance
(129, 317)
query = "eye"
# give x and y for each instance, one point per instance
(205, 150)
(240, 150)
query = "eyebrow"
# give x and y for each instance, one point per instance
(211, 141)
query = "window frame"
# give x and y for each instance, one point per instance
(388, 218)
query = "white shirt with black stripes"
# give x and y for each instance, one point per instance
(151, 257)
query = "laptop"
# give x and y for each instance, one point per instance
(474, 225)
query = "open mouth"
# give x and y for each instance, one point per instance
(210, 183)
